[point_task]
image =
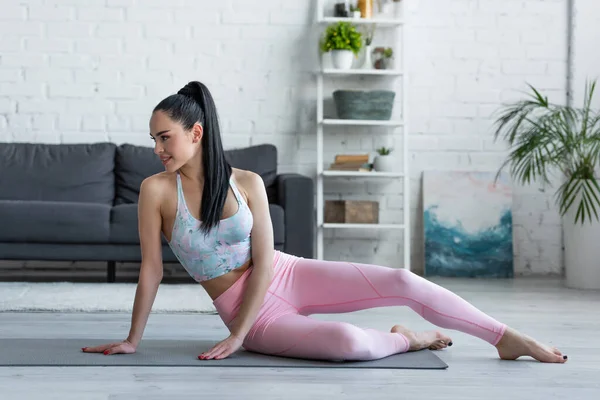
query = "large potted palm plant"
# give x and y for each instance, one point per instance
(547, 138)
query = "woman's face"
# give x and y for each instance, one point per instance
(172, 143)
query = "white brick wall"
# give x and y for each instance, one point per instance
(72, 73)
(585, 58)
(472, 56)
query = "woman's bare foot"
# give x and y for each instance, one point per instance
(514, 345)
(433, 340)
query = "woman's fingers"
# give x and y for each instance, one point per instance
(218, 353)
(113, 350)
(99, 349)
(223, 355)
(218, 349)
(208, 355)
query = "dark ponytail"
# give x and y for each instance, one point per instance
(192, 104)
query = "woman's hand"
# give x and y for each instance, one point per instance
(124, 347)
(223, 349)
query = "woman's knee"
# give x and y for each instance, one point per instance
(352, 343)
(403, 276)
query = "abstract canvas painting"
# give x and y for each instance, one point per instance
(467, 224)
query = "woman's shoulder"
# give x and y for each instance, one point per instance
(249, 183)
(249, 180)
(158, 183)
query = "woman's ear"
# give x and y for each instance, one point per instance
(197, 133)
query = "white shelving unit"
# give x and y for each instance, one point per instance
(333, 71)
(323, 123)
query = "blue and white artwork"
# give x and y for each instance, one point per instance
(467, 224)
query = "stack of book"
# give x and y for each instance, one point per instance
(351, 162)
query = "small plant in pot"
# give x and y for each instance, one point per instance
(383, 161)
(344, 42)
(546, 138)
(383, 57)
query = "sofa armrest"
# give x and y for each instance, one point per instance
(295, 194)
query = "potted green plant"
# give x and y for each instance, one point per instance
(545, 138)
(383, 161)
(355, 12)
(344, 42)
(368, 35)
(384, 56)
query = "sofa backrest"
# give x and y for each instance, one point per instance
(261, 159)
(57, 172)
(135, 163)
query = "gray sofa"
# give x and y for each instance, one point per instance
(78, 202)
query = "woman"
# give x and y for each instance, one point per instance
(217, 222)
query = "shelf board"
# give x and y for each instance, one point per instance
(363, 21)
(358, 71)
(373, 174)
(364, 226)
(361, 122)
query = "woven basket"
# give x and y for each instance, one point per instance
(357, 104)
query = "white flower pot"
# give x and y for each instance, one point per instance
(384, 163)
(398, 9)
(342, 59)
(356, 14)
(582, 252)
(368, 61)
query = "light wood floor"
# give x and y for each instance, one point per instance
(544, 309)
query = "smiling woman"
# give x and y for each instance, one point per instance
(216, 219)
(192, 111)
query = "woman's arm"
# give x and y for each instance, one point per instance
(262, 270)
(151, 272)
(151, 269)
(262, 255)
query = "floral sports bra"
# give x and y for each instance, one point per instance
(226, 247)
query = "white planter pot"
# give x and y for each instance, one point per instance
(368, 61)
(342, 59)
(582, 251)
(384, 163)
(398, 9)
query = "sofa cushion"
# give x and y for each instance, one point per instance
(135, 163)
(124, 225)
(277, 218)
(57, 172)
(53, 222)
(261, 159)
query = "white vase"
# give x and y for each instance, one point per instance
(368, 61)
(582, 252)
(386, 8)
(384, 163)
(342, 59)
(398, 9)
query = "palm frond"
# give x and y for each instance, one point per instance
(543, 136)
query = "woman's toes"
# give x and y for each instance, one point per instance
(556, 351)
(437, 345)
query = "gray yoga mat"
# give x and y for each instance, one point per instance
(181, 353)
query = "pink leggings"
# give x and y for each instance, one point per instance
(301, 287)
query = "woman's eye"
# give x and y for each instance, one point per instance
(163, 138)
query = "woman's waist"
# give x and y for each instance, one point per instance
(217, 286)
(236, 285)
